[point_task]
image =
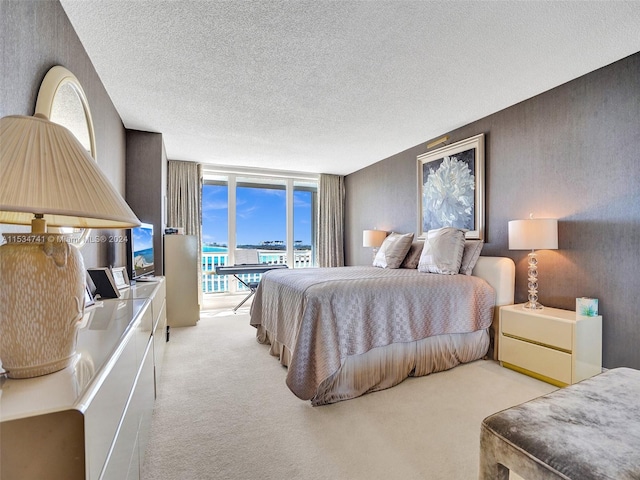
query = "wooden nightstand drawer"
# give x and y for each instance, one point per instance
(544, 361)
(538, 328)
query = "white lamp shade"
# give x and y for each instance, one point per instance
(373, 238)
(44, 169)
(533, 234)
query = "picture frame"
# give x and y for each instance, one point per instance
(451, 188)
(120, 277)
(105, 284)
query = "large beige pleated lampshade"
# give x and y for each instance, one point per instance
(46, 176)
(44, 169)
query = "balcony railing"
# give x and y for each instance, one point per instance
(212, 283)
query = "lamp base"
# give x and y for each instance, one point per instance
(532, 283)
(41, 302)
(533, 306)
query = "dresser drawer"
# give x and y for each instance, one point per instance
(536, 358)
(538, 328)
(105, 410)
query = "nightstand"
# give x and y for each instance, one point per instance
(553, 345)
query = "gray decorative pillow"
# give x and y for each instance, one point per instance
(442, 252)
(472, 249)
(413, 255)
(393, 250)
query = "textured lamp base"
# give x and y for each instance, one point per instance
(41, 302)
(40, 369)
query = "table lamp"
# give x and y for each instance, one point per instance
(373, 238)
(533, 234)
(46, 178)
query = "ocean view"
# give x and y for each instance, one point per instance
(214, 249)
(216, 255)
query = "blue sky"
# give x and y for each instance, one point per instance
(142, 238)
(261, 215)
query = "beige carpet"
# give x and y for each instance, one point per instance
(224, 412)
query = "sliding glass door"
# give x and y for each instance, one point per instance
(265, 219)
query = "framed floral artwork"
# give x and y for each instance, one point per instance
(451, 188)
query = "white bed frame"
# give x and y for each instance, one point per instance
(500, 273)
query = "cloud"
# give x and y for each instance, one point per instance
(215, 205)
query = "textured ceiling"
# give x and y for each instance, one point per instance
(333, 86)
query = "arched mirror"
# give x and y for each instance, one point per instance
(62, 100)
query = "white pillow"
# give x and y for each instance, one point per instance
(393, 250)
(442, 252)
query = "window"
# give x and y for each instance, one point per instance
(304, 223)
(275, 215)
(215, 238)
(261, 217)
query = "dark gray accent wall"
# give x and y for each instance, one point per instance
(35, 36)
(147, 185)
(571, 153)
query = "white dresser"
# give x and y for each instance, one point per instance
(92, 419)
(554, 345)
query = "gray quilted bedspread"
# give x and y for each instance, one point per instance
(324, 315)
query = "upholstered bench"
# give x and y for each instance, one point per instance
(590, 430)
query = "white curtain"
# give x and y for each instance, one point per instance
(184, 198)
(331, 221)
(184, 194)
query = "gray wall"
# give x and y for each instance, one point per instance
(147, 185)
(35, 36)
(571, 153)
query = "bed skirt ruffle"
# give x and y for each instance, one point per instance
(385, 367)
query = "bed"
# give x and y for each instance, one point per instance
(346, 331)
